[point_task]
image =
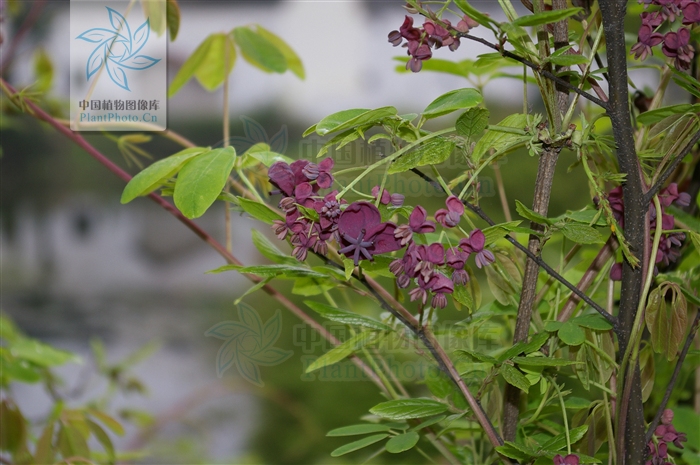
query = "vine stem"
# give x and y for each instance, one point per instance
(78, 139)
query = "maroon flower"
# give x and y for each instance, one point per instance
(417, 223)
(465, 24)
(440, 285)
(670, 195)
(571, 459)
(396, 200)
(457, 259)
(677, 45)
(450, 218)
(646, 39)
(362, 233)
(475, 244)
(616, 272)
(691, 11)
(328, 210)
(325, 178)
(282, 177)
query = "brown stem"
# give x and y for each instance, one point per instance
(206, 237)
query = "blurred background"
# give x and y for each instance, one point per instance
(77, 266)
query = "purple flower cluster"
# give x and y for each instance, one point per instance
(675, 44)
(664, 434)
(361, 234)
(670, 244)
(420, 41)
(571, 459)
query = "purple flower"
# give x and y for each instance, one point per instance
(328, 210)
(667, 417)
(571, 459)
(677, 45)
(670, 195)
(325, 178)
(440, 285)
(417, 223)
(362, 233)
(457, 259)
(475, 244)
(450, 218)
(282, 177)
(691, 12)
(646, 39)
(465, 24)
(396, 200)
(616, 272)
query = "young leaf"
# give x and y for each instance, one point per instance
(357, 445)
(666, 325)
(294, 63)
(259, 51)
(341, 351)
(258, 210)
(201, 180)
(41, 354)
(472, 122)
(153, 177)
(206, 64)
(530, 214)
(402, 442)
(546, 17)
(506, 134)
(345, 317)
(433, 151)
(452, 101)
(353, 430)
(404, 409)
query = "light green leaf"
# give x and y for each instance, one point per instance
(571, 334)
(261, 153)
(475, 14)
(339, 352)
(258, 210)
(18, 370)
(155, 175)
(403, 409)
(253, 289)
(269, 250)
(348, 119)
(357, 445)
(293, 61)
(201, 180)
(434, 151)
(524, 347)
(472, 122)
(665, 321)
(530, 214)
(499, 231)
(259, 51)
(353, 430)
(103, 439)
(654, 116)
(312, 286)
(439, 65)
(452, 101)
(569, 60)
(345, 317)
(499, 139)
(463, 295)
(542, 362)
(108, 421)
(41, 354)
(546, 17)
(173, 18)
(514, 377)
(207, 64)
(479, 356)
(558, 442)
(582, 234)
(516, 451)
(288, 271)
(402, 442)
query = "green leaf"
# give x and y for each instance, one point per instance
(261, 153)
(452, 101)
(654, 116)
(44, 448)
(258, 210)
(108, 421)
(542, 362)
(666, 321)
(259, 51)
(439, 384)
(41, 354)
(312, 286)
(345, 317)
(516, 451)
(341, 351)
(438, 65)
(479, 356)
(402, 442)
(72, 443)
(523, 347)
(353, 430)
(514, 377)
(568, 60)
(592, 321)
(357, 445)
(552, 326)
(582, 234)
(173, 18)
(586, 216)
(499, 231)
(530, 214)
(546, 17)
(462, 294)
(13, 429)
(201, 180)
(499, 139)
(289, 271)
(207, 64)
(269, 250)
(253, 289)
(17, 370)
(472, 122)
(571, 334)
(558, 442)
(434, 151)
(103, 439)
(348, 119)
(404, 409)
(155, 175)
(475, 14)
(294, 63)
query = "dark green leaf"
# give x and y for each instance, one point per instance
(552, 326)
(535, 343)
(258, 210)
(514, 377)
(559, 441)
(402, 442)
(546, 17)
(357, 445)
(472, 122)
(404, 409)
(592, 321)
(173, 18)
(516, 451)
(338, 353)
(259, 51)
(479, 356)
(541, 362)
(452, 101)
(155, 175)
(530, 214)
(582, 234)
(571, 334)
(201, 180)
(345, 317)
(353, 430)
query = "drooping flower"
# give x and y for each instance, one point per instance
(417, 223)
(571, 459)
(362, 233)
(457, 259)
(646, 39)
(450, 218)
(475, 244)
(677, 45)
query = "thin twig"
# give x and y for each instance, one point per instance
(672, 382)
